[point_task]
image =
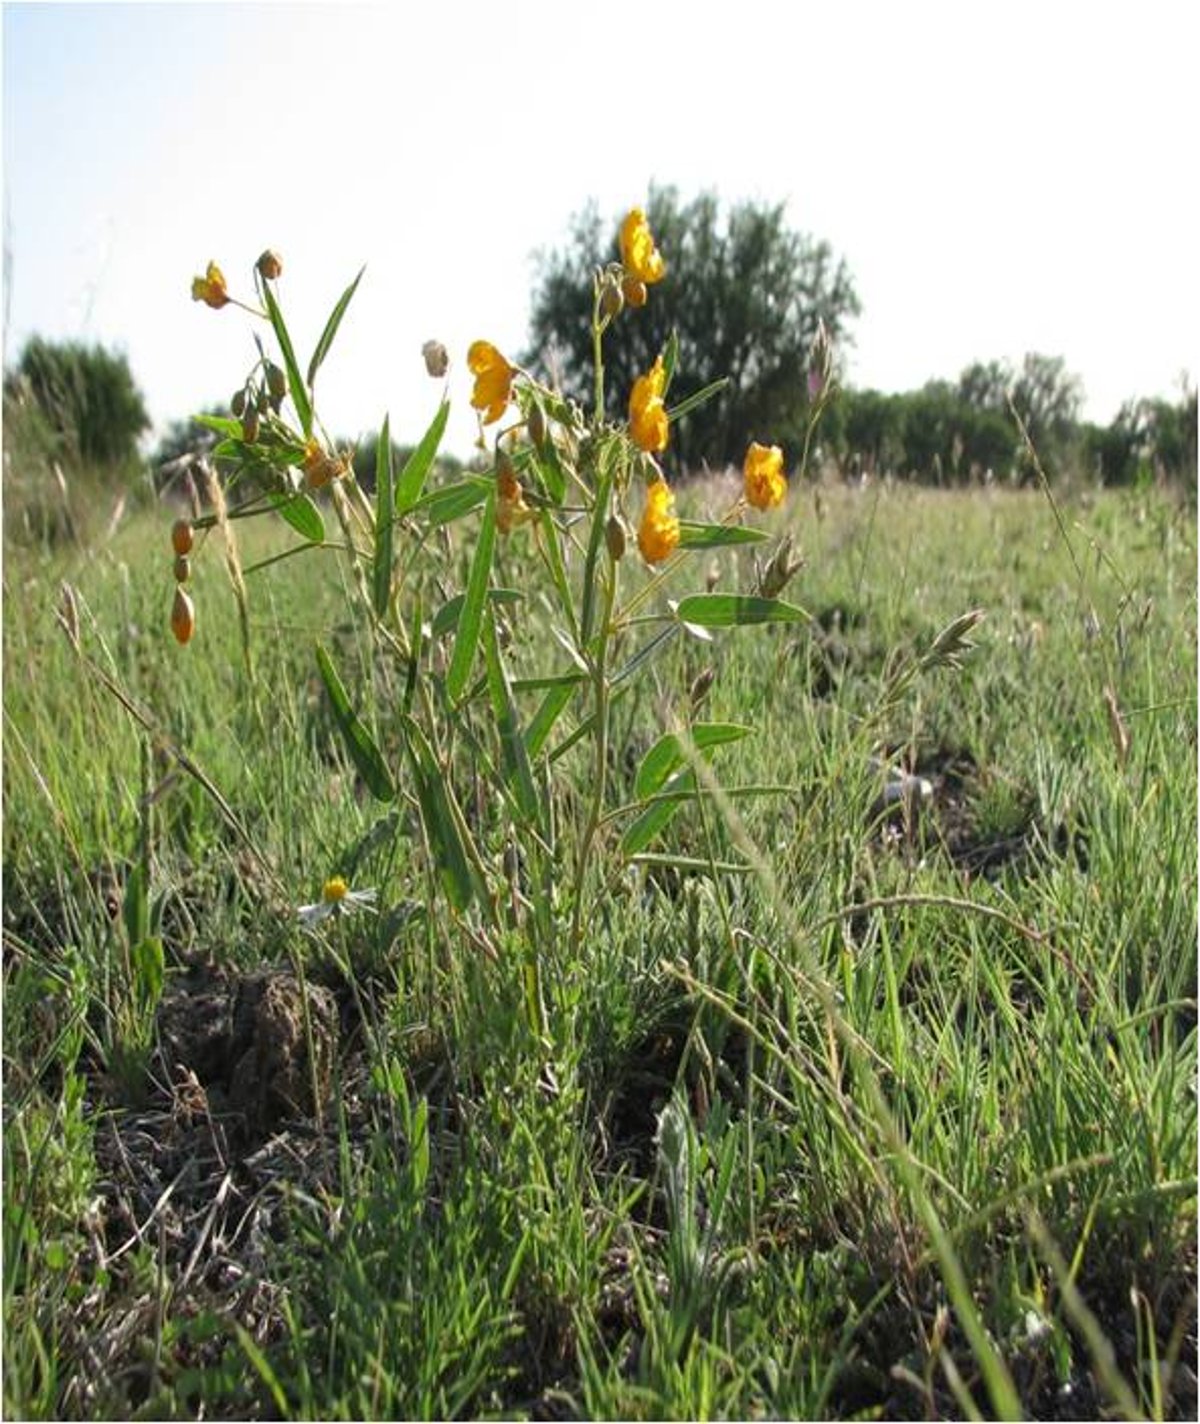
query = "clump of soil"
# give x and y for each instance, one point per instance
(245, 1040)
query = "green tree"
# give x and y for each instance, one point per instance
(745, 296)
(87, 396)
(1046, 396)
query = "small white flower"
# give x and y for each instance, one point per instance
(337, 898)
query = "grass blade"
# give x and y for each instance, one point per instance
(437, 816)
(302, 514)
(671, 751)
(513, 752)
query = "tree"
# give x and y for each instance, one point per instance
(87, 396)
(745, 297)
(1047, 398)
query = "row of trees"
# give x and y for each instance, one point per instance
(746, 297)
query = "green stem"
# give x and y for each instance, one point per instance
(600, 682)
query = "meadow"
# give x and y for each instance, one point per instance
(865, 1086)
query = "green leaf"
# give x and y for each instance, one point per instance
(331, 326)
(447, 616)
(451, 502)
(697, 398)
(717, 536)
(670, 358)
(550, 470)
(657, 814)
(670, 751)
(295, 383)
(382, 572)
(513, 752)
(554, 559)
(302, 514)
(730, 610)
(470, 619)
(543, 720)
(365, 755)
(222, 424)
(438, 818)
(416, 467)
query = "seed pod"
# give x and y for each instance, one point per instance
(183, 617)
(250, 426)
(276, 381)
(238, 403)
(270, 264)
(183, 568)
(633, 290)
(437, 359)
(182, 536)
(537, 424)
(616, 537)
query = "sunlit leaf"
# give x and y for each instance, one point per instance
(470, 618)
(670, 751)
(365, 755)
(730, 610)
(331, 326)
(302, 514)
(412, 477)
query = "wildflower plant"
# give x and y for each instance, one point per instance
(572, 486)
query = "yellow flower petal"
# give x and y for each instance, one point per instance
(493, 380)
(648, 425)
(658, 533)
(766, 484)
(639, 256)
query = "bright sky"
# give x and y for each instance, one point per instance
(1000, 179)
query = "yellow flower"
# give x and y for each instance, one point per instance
(319, 467)
(766, 484)
(511, 508)
(493, 380)
(647, 413)
(210, 288)
(639, 256)
(658, 533)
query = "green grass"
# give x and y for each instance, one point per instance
(902, 1121)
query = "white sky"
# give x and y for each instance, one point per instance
(999, 179)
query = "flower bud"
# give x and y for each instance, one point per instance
(437, 359)
(270, 265)
(182, 535)
(611, 297)
(183, 617)
(616, 537)
(183, 568)
(537, 424)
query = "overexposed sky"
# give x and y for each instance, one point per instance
(999, 179)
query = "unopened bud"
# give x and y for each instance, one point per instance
(276, 381)
(633, 289)
(616, 537)
(611, 297)
(183, 568)
(250, 426)
(778, 573)
(701, 685)
(537, 424)
(437, 359)
(270, 264)
(182, 536)
(183, 617)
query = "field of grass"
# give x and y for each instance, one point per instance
(841, 1106)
